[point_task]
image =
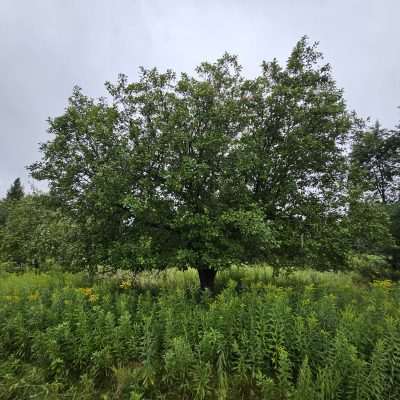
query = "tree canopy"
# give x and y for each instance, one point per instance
(206, 170)
(377, 154)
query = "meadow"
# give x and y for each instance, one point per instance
(304, 336)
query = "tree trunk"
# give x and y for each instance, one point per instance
(207, 277)
(275, 271)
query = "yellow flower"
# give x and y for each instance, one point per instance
(126, 284)
(89, 294)
(92, 298)
(34, 296)
(86, 291)
(384, 284)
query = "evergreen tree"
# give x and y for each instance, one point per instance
(16, 191)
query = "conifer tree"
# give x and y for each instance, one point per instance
(16, 191)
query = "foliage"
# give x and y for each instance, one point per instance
(19, 231)
(35, 234)
(372, 267)
(3, 212)
(16, 191)
(203, 170)
(374, 178)
(179, 177)
(308, 336)
(394, 250)
(369, 227)
(377, 153)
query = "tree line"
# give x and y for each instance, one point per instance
(211, 170)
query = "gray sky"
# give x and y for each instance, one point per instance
(48, 46)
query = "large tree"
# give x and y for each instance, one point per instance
(205, 170)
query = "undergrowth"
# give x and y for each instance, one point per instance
(304, 336)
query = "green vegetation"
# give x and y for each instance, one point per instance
(212, 170)
(175, 180)
(305, 336)
(207, 171)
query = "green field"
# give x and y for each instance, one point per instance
(307, 335)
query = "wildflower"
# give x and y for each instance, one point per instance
(126, 284)
(34, 296)
(89, 294)
(383, 284)
(93, 298)
(86, 291)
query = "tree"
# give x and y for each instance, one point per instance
(202, 171)
(3, 212)
(20, 231)
(35, 232)
(394, 251)
(375, 182)
(369, 227)
(16, 191)
(377, 153)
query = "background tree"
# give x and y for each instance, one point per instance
(16, 191)
(35, 234)
(377, 153)
(20, 231)
(375, 179)
(202, 171)
(394, 251)
(3, 212)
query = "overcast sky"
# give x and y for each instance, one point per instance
(48, 46)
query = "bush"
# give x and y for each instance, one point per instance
(371, 267)
(10, 267)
